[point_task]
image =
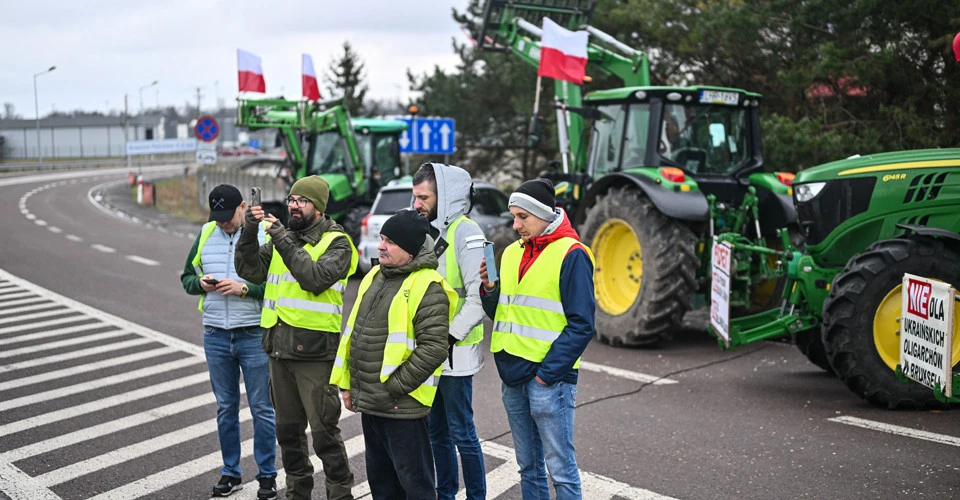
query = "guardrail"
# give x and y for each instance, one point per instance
(69, 165)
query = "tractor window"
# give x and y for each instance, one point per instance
(330, 155)
(635, 142)
(705, 139)
(606, 139)
(386, 154)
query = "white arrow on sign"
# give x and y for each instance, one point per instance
(444, 137)
(425, 130)
(404, 140)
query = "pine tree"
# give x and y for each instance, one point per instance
(345, 77)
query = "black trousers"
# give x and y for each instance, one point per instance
(399, 458)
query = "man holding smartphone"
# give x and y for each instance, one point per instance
(231, 340)
(441, 193)
(543, 319)
(305, 269)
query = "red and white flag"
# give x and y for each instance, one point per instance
(250, 72)
(309, 78)
(563, 53)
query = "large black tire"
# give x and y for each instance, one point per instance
(872, 279)
(665, 258)
(810, 343)
(352, 221)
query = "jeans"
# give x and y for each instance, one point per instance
(228, 353)
(452, 430)
(398, 456)
(541, 420)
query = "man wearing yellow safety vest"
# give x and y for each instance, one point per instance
(543, 318)
(305, 270)
(388, 363)
(231, 340)
(441, 193)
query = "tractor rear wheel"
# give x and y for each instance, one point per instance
(646, 268)
(860, 319)
(353, 220)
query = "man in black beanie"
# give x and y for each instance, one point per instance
(391, 378)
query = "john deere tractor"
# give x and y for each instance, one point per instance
(866, 221)
(355, 155)
(667, 168)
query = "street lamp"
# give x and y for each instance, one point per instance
(36, 108)
(151, 84)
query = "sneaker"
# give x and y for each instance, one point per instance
(268, 488)
(226, 486)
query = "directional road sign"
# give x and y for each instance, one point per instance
(207, 129)
(428, 136)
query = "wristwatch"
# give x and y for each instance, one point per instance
(243, 291)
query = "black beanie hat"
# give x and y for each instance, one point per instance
(408, 229)
(537, 197)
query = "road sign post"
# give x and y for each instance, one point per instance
(428, 136)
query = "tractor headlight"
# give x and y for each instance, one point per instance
(808, 191)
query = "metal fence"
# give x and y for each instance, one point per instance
(79, 164)
(209, 176)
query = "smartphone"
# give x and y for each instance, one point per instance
(255, 196)
(488, 254)
(211, 281)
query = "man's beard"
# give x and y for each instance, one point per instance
(432, 214)
(301, 221)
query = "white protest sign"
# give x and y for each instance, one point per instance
(926, 332)
(720, 289)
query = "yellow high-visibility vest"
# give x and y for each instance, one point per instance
(283, 298)
(205, 233)
(530, 312)
(455, 279)
(401, 339)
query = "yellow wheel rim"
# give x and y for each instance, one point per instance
(619, 271)
(886, 326)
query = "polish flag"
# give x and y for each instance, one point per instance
(563, 54)
(250, 72)
(309, 78)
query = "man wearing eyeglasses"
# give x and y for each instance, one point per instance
(305, 269)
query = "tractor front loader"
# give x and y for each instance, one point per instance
(355, 155)
(866, 221)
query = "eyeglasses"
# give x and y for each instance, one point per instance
(300, 202)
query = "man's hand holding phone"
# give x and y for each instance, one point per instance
(488, 267)
(208, 283)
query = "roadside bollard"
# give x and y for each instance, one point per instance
(149, 193)
(139, 190)
(132, 179)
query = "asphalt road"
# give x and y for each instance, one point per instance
(103, 389)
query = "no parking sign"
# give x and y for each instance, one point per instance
(207, 129)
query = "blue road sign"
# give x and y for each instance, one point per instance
(254, 143)
(206, 129)
(428, 136)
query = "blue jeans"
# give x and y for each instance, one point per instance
(541, 420)
(228, 352)
(452, 430)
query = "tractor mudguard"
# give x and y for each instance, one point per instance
(687, 206)
(776, 210)
(934, 232)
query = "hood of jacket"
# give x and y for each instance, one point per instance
(425, 259)
(453, 194)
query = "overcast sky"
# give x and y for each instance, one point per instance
(104, 49)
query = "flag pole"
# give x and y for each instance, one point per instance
(535, 120)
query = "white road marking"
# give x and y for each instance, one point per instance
(40, 222)
(73, 237)
(51, 333)
(30, 216)
(100, 404)
(7, 304)
(63, 343)
(143, 260)
(55, 229)
(121, 378)
(627, 374)
(898, 430)
(17, 310)
(43, 324)
(17, 485)
(38, 315)
(102, 248)
(14, 294)
(91, 351)
(89, 367)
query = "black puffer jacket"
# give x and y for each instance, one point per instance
(392, 399)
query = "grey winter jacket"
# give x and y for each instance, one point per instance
(453, 198)
(392, 399)
(253, 261)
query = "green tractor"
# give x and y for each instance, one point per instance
(356, 156)
(666, 169)
(866, 221)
